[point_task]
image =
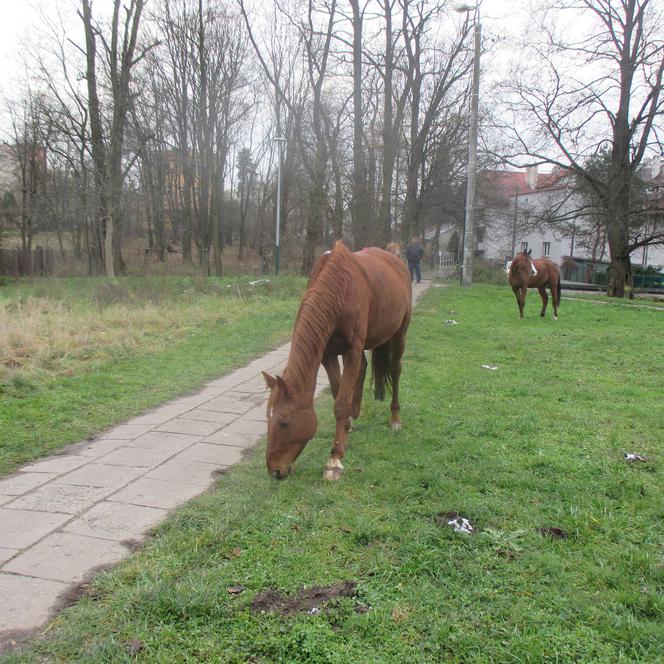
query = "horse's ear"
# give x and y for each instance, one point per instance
(530, 251)
(285, 390)
(270, 381)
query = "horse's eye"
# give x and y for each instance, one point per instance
(284, 424)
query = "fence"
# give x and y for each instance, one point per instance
(447, 267)
(26, 262)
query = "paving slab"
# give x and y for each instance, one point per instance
(128, 431)
(66, 557)
(100, 475)
(149, 492)
(185, 472)
(258, 414)
(222, 419)
(250, 427)
(116, 521)
(164, 439)
(138, 457)
(5, 499)
(160, 415)
(26, 603)
(55, 464)
(6, 554)
(185, 425)
(62, 498)
(251, 387)
(226, 404)
(220, 455)
(235, 439)
(21, 528)
(97, 448)
(21, 483)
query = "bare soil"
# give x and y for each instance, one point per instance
(304, 601)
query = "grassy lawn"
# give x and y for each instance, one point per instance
(537, 443)
(78, 355)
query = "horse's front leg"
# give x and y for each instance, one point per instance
(342, 412)
(520, 295)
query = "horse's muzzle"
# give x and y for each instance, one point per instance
(278, 475)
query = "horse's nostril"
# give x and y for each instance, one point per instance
(276, 474)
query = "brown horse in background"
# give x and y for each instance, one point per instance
(394, 248)
(527, 273)
(353, 301)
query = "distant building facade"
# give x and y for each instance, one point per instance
(541, 212)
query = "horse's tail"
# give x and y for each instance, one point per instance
(380, 369)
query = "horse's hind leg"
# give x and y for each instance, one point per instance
(545, 299)
(398, 344)
(331, 365)
(359, 387)
(555, 296)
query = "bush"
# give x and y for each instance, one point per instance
(489, 273)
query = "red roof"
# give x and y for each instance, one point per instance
(514, 183)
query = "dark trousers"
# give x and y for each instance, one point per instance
(414, 268)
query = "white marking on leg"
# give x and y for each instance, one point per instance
(396, 426)
(333, 469)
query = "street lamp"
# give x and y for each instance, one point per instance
(280, 140)
(469, 219)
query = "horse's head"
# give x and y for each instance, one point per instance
(523, 263)
(290, 426)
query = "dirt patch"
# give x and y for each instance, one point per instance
(553, 532)
(307, 600)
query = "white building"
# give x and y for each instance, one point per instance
(515, 208)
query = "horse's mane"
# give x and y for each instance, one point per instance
(328, 288)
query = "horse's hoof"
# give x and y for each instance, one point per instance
(333, 474)
(333, 470)
(396, 426)
(555, 318)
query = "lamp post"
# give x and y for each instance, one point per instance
(280, 140)
(469, 218)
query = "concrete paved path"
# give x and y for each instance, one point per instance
(65, 516)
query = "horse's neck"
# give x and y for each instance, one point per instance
(315, 323)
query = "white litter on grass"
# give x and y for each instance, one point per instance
(634, 457)
(461, 525)
(259, 281)
(314, 610)
(490, 367)
(451, 322)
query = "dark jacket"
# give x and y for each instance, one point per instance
(414, 252)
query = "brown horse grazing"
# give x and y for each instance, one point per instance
(353, 301)
(527, 273)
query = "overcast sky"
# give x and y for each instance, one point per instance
(23, 29)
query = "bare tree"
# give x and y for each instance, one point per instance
(121, 54)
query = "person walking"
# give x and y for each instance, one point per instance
(414, 253)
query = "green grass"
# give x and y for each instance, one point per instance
(221, 325)
(537, 443)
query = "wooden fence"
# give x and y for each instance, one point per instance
(26, 262)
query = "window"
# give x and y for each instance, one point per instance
(479, 234)
(546, 249)
(524, 246)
